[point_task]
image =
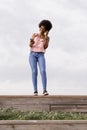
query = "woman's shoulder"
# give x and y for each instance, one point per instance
(34, 35)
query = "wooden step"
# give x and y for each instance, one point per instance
(44, 103)
(43, 125)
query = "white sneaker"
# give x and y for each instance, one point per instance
(35, 93)
(45, 93)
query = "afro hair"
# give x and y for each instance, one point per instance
(47, 24)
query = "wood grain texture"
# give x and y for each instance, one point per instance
(45, 103)
(43, 125)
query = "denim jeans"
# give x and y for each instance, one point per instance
(37, 58)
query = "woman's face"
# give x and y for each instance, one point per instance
(42, 29)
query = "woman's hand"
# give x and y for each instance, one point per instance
(32, 39)
(46, 33)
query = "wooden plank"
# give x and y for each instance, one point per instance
(69, 108)
(43, 125)
(45, 103)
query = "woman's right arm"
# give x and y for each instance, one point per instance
(32, 40)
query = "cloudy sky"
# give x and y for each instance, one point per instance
(66, 57)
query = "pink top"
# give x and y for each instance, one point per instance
(38, 45)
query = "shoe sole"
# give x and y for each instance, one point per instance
(45, 94)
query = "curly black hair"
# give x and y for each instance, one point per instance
(47, 24)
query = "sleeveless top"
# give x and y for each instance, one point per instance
(38, 45)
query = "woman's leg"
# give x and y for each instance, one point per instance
(33, 64)
(42, 66)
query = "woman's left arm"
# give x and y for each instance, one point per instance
(47, 42)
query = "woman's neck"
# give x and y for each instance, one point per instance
(41, 35)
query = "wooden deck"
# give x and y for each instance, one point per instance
(43, 125)
(45, 103)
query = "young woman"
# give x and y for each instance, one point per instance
(38, 44)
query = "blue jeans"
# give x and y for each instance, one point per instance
(34, 59)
